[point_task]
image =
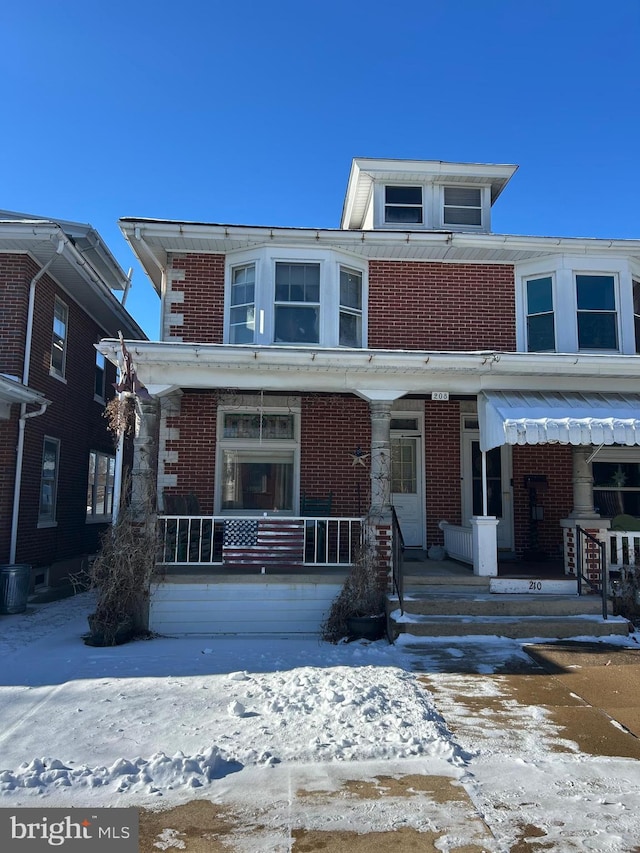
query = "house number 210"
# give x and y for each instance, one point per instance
(536, 586)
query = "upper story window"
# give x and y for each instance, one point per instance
(541, 336)
(432, 205)
(306, 298)
(597, 315)
(570, 304)
(350, 307)
(100, 377)
(297, 303)
(636, 311)
(59, 338)
(403, 204)
(242, 319)
(462, 206)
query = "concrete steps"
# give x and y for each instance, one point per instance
(468, 607)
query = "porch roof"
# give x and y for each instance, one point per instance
(538, 417)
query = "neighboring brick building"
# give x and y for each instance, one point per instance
(452, 362)
(57, 458)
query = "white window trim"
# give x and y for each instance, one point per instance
(485, 207)
(289, 445)
(421, 207)
(533, 277)
(45, 521)
(60, 374)
(100, 398)
(563, 269)
(101, 518)
(433, 207)
(265, 260)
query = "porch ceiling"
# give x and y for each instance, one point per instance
(537, 417)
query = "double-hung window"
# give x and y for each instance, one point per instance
(242, 318)
(540, 314)
(350, 308)
(597, 315)
(100, 486)
(297, 303)
(59, 338)
(49, 481)
(403, 205)
(636, 312)
(259, 461)
(462, 206)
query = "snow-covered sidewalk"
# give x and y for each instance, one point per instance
(249, 723)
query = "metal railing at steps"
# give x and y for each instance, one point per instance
(397, 552)
(584, 540)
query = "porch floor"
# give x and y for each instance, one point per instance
(421, 571)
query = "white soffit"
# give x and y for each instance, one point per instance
(517, 417)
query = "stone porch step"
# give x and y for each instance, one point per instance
(519, 627)
(464, 601)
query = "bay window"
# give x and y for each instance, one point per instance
(295, 298)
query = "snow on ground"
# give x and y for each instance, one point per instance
(159, 722)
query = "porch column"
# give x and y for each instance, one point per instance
(485, 545)
(380, 471)
(584, 515)
(145, 457)
(582, 485)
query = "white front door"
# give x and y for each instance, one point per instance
(407, 478)
(499, 492)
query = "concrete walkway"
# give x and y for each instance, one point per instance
(587, 693)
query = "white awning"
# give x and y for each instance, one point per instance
(537, 417)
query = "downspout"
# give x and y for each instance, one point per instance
(24, 415)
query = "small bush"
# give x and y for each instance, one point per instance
(360, 595)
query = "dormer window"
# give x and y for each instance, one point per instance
(403, 205)
(462, 206)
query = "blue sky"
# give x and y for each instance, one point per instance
(250, 112)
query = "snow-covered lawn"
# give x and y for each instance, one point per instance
(160, 722)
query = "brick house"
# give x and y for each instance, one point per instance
(484, 385)
(57, 458)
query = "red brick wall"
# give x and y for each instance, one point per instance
(333, 426)
(73, 417)
(16, 271)
(438, 306)
(203, 304)
(442, 467)
(556, 462)
(196, 447)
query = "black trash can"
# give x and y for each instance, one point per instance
(15, 581)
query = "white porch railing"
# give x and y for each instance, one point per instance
(458, 541)
(623, 548)
(257, 541)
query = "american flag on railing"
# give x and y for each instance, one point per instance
(267, 542)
